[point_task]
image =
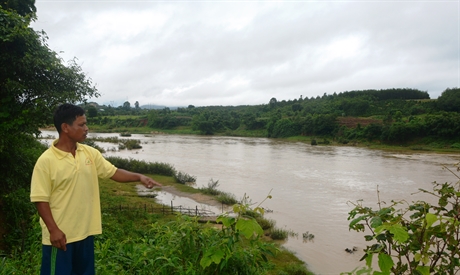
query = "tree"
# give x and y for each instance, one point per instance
(22, 7)
(92, 111)
(136, 105)
(205, 123)
(33, 81)
(449, 100)
(127, 106)
(272, 102)
(296, 107)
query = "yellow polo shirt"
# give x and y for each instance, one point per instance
(71, 186)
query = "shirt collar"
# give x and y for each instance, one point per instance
(59, 153)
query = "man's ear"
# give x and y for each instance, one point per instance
(65, 127)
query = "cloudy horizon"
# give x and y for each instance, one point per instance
(204, 53)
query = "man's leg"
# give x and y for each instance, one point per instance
(83, 263)
(56, 261)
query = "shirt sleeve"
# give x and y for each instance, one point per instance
(40, 187)
(104, 168)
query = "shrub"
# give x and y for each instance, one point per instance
(456, 145)
(93, 144)
(279, 234)
(417, 238)
(185, 178)
(159, 168)
(266, 224)
(294, 269)
(130, 144)
(212, 188)
(227, 198)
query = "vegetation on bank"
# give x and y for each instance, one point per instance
(138, 242)
(390, 117)
(412, 237)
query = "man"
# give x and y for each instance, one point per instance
(65, 190)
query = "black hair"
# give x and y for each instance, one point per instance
(66, 113)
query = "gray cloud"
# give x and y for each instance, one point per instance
(238, 53)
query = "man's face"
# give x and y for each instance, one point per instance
(78, 130)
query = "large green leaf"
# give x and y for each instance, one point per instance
(424, 270)
(211, 256)
(249, 228)
(376, 222)
(430, 219)
(399, 232)
(385, 263)
(357, 220)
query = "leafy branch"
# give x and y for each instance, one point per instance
(418, 238)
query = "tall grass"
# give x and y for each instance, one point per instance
(159, 168)
(223, 197)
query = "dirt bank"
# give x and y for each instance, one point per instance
(198, 197)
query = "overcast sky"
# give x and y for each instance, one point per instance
(202, 53)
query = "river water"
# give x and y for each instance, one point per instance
(311, 186)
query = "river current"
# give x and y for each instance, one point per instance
(311, 186)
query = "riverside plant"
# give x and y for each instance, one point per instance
(184, 246)
(418, 238)
(238, 230)
(223, 197)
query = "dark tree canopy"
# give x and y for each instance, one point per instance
(33, 79)
(22, 7)
(449, 100)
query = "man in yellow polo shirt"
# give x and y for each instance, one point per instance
(65, 190)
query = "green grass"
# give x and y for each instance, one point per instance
(130, 224)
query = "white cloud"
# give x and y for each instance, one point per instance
(238, 53)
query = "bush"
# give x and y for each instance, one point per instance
(279, 234)
(266, 224)
(227, 198)
(456, 145)
(159, 168)
(212, 188)
(294, 269)
(93, 144)
(185, 178)
(143, 167)
(419, 238)
(17, 160)
(129, 144)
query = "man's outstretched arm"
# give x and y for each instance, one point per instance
(122, 175)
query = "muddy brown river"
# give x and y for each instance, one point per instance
(311, 185)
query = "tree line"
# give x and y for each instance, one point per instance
(33, 81)
(393, 116)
